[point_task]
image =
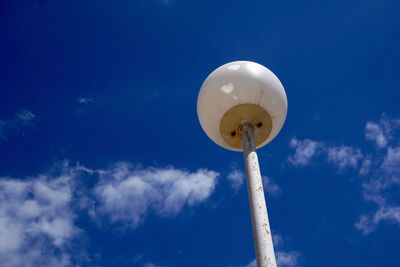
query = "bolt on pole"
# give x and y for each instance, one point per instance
(259, 217)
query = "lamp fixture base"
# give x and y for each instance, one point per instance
(245, 113)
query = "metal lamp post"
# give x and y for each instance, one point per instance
(242, 106)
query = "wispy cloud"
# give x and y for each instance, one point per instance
(149, 264)
(283, 259)
(125, 194)
(381, 174)
(381, 132)
(253, 263)
(380, 188)
(287, 259)
(236, 178)
(36, 221)
(365, 166)
(305, 151)
(17, 123)
(269, 186)
(38, 214)
(391, 162)
(340, 156)
(85, 100)
(167, 2)
(368, 224)
(344, 156)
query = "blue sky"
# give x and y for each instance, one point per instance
(103, 161)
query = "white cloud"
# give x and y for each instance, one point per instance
(85, 101)
(372, 190)
(269, 186)
(381, 173)
(277, 240)
(384, 180)
(236, 178)
(17, 123)
(365, 166)
(344, 156)
(340, 156)
(253, 263)
(305, 150)
(149, 264)
(37, 214)
(390, 214)
(287, 259)
(365, 225)
(391, 163)
(24, 117)
(283, 259)
(381, 133)
(375, 133)
(36, 221)
(125, 194)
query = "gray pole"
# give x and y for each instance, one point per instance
(259, 217)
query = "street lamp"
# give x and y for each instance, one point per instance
(242, 106)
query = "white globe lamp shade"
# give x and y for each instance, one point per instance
(237, 92)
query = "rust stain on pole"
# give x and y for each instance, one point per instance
(259, 216)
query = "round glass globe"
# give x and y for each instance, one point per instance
(237, 92)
